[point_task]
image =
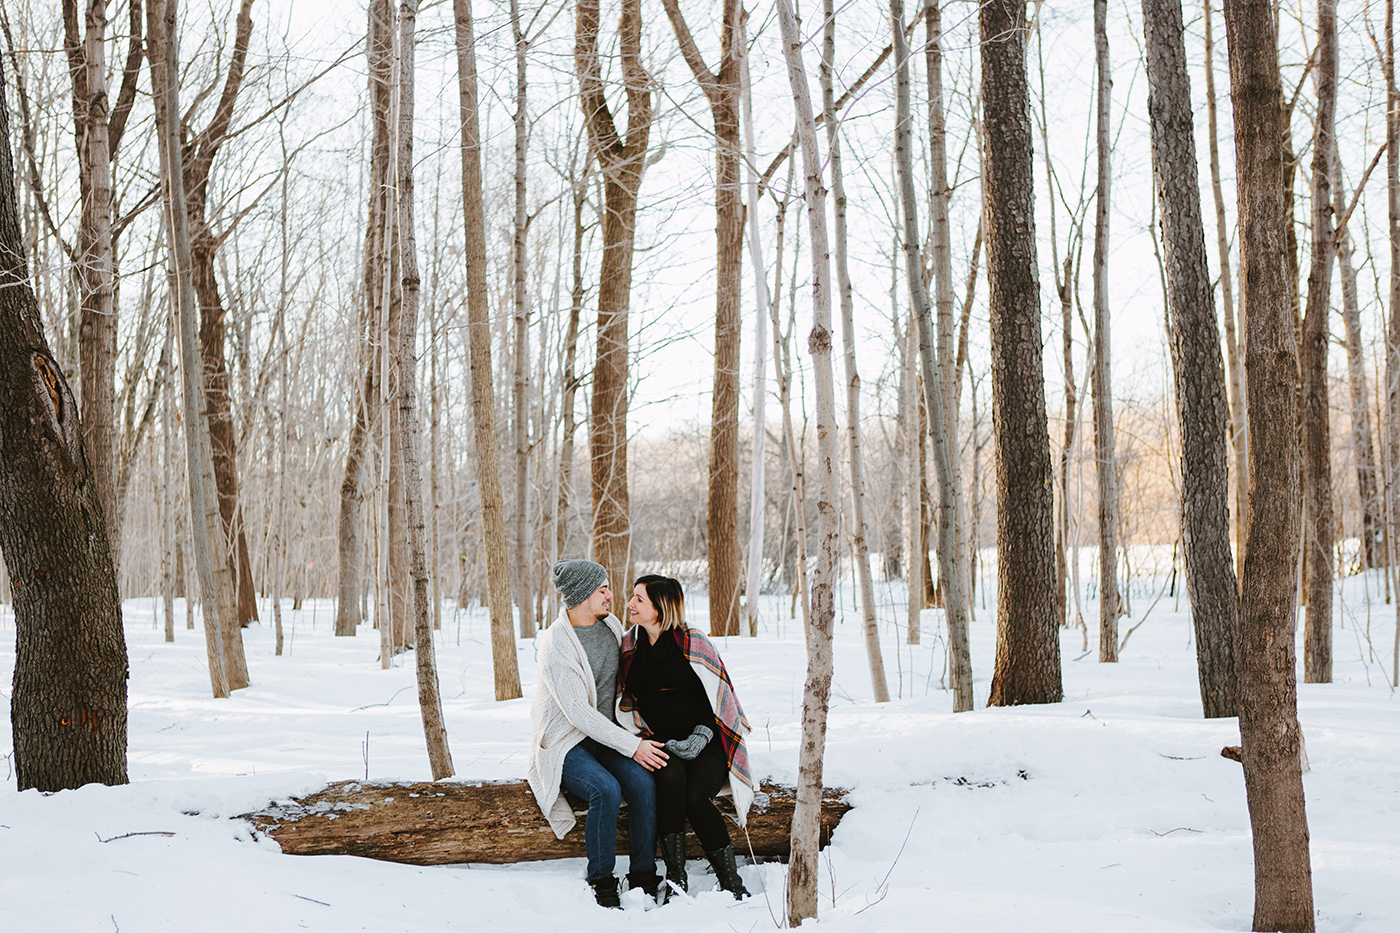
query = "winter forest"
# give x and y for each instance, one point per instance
(1013, 386)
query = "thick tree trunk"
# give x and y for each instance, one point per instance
(495, 823)
(859, 527)
(68, 705)
(1317, 441)
(622, 161)
(802, 871)
(1269, 730)
(1239, 426)
(429, 696)
(1199, 372)
(1110, 607)
(1027, 666)
(493, 526)
(521, 384)
(951, 579)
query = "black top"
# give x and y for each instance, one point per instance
(669, 695)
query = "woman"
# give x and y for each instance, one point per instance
(675, 685)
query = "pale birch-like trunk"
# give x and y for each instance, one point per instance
(757, 475)
(802, 869)
(914, 452)
(167, 491)
(503, 651)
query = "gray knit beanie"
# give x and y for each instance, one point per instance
(576, 580)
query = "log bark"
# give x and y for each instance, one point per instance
(494, 823)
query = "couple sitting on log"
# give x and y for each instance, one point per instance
(649, 715)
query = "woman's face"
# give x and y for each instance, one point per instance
(640, 608)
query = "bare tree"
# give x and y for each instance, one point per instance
(1196, 365)
(521, 305)
(622, 161)
(68, 706)
(493, 527)
(1269, 730)
(1027, 668)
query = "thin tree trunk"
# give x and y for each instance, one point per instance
(913, 439)
(570, 378)
(950, 576)
(1110, 607)
(1239, 424)
(1317, 442)
(521, 575)
(1392, 344)
(622, 161)
(1027, 666)
(503, 651)
(68, 705)
(1199, 372)
(869, 628)
(1269, 730)
(758, 497)
(167, 490)
(802, 869)
(797, 455)
(429, 696)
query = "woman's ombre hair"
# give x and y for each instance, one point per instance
(667, 596)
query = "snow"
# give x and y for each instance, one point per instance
(1111, 811)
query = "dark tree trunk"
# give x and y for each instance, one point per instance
(1196, 363)
(1268, 696)
(1028, 646)
(68, 705)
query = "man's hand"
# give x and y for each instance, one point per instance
(649, 755)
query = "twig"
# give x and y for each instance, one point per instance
(883, 886)
(312, 900)
(1179, 829)
(1340, 232)
(158, 832)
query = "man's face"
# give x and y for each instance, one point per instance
(599, 602)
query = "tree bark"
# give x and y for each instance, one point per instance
(1269, 730)
(1110, 607)
(757, 482)
(68, 706)
(521, 305)
(1196, 364)
(950, 576)
(495, 823)
(859, 526)
(802, 870)
(622, 161)
(721, 89)
(1027, 668)
(493, 526)
(1317, 441)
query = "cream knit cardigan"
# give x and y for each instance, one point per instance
(564, 713)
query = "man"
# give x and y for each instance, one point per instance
(577, 744)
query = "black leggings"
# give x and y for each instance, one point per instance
(684, 789)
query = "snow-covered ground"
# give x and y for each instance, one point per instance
(1109, 812)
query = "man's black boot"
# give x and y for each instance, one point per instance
(605, 892)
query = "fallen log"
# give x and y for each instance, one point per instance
(491, 822)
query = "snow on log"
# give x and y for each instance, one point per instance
(490, 822)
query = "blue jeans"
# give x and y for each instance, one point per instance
(602, 777)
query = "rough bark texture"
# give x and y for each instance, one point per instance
(1392, 341)
(521, 576)
(622, 160)
(1317, 440)
(1110, 607)
(721, 89)
(493, 525)
(68, 703)
(496, 823)
(1028, 647)
(1271, 738)
(1196, 364)
(802, 875)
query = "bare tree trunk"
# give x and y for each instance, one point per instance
(1317, 441)
(1199, 372)
(206, 530)
(1269, 730)
(380, 44)
(622, 161)
(570, 378)
(68, 705)
(913, 439)
(1239, 426)
(950, 576)
(802, 869)
(797, 455)
(503, 651)
(757, 491)
(1028, 647)
(167, 490)
(870, 631)
(429, 697)
(521, 576)
(1392, 345)
(1110, 607)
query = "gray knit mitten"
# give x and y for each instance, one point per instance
(689, 748)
